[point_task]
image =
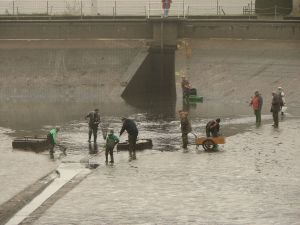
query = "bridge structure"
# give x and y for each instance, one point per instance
(151, 75)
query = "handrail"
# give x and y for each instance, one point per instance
(102, 7)
(146, 8)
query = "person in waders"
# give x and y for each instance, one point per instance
(132, 130)
(186, 128)
(111, 141)
(256, 103)
(213, 130)
(94, 121)
(185, 86)
(275, 109)
(52, 140)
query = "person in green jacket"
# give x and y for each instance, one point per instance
(52, 140)
(111, 141)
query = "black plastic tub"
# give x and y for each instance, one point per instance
(141, 144)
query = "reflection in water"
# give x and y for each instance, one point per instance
(93, 149)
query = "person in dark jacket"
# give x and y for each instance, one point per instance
(213, 128)
(186, 127)
(275, 109)
(131, 128)
(94, 121)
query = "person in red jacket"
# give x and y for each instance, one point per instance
(166, 4)
(257, 102)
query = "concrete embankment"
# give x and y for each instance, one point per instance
(18, 176)
(228, 71)
(63, 70)
(72, 73)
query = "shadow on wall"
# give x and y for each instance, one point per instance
(153, 82)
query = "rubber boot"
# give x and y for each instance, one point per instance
(111, 158)
(106, 157)
(130, 156)
(134, 155)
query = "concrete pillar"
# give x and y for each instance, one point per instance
(154, 80)
(165, 33)
(296, 8)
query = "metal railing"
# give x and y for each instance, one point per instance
(144, 8)
(115, 7)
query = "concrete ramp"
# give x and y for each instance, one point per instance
(135, 65)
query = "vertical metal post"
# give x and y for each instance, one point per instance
(183, 8)
(47, 8)
(115, 8)
(161, 35)
(217, 7)
(149, 9)
(13, 7)
(251, 8)
(275, 12)
(81, 9)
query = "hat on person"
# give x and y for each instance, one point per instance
(218, 120)
(280, 88)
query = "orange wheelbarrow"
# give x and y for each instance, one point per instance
(209, 143)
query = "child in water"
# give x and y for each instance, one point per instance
(111, 141)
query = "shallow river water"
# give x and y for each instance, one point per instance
(253, 179)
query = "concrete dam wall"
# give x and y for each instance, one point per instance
(225, 71)
(64, 70)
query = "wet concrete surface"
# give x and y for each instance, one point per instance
(253, 179)
(19, 169)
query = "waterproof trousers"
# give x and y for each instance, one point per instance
(109, 151)
(275, 118)
(93, 130)
(258, 116)
(185, 140)
(132, 146)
